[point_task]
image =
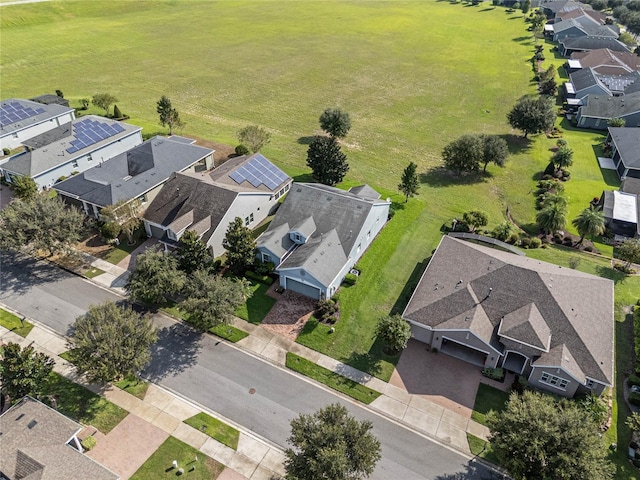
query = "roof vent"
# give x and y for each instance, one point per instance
(32, 424)
(127, 178)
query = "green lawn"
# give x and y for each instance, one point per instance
(10, 321)
(93, 272)
(120, 252)
(216, 429)
(228, 332)
(258, 305)
(82, 405)
(481, 449)
(488, 398)
(134, 386)
(331, 379)
(159, 464)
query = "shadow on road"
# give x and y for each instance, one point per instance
(18, 273)
(472, 471)
(175, 351)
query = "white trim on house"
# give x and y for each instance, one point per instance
(527, 359)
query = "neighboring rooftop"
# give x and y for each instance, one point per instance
(51, 99)
(608, 62)
(627, 142)
(134, 172)
(606, 106)
(250, 172)
(587, 43)
(18, 114)
(34, 444)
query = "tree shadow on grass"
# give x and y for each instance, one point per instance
(522, 39)
(611, 274)
(517, 144)
(441, 177)
(304, 178)
(409, 287)
(306, 140)
(175, 351)
(369, 363)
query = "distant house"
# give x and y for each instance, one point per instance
(70, 149)
(553, 8)
(625, 148)
(37, 442)
(247, 187)
(594, 111)
(620, 211)
(318, 235)
(570, 45)
(583, 26)
(605, 62)
(584, 10)
(21, 120)
(51, 99)
(588, 82)
(493, 308)
(138, 173)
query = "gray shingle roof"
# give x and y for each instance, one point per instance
(593, 43)
(607, 61)
(365, 191)
(222, 174)
(526, 325)
(33, 441)
(576, 307)
(631, 185)
(627, 142)
(37, 112)
(132, 173)
(606, 106)
(190, 199)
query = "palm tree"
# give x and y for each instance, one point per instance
(554, 198)
(552, 218)
(563, 158)
(589, 222)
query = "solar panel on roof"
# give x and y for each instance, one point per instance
(119, 128)
(237, 177)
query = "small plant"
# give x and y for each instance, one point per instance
(535, 243)
(494, 373)
(110, 230)
(634, 399)
(242, 150)
(6, 151)
(350, 279)
(525, 242)
(326, 310)
(89, 442)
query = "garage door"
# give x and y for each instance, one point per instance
(307, 290)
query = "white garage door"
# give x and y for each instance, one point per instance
(307, 290)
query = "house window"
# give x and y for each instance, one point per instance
(246, 221)
(597, 123)
(287, 187)
(266, 257)
(590, 383)
(251, 218)
(296, 236)
(554, 381)
(89, 158)
(74, 164)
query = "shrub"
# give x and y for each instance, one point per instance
(561, 142)
(264, 268)
(116, 112)
(493, 373)
(89, 442)
(242, 150)
(634, 399)
(110, 230)
(535, 243)
(350, 279)
(266, 279)
(525, 242)
(633, 380)
(326, 310)
(6, 151)
(550, 169)
(62, 178)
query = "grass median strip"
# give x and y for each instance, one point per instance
(12, 322)
(331, 379)
(216, 429)
(482, 449)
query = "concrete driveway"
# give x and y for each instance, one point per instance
(441, 379)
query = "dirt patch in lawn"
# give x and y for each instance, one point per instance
(93, 245)
(289, 314)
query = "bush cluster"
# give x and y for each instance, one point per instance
(350, 279)
(636, 334)
(266, 279)
(327, 311)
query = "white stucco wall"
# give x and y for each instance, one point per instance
(14, 139)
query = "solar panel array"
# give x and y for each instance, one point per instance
(618, 84)
(88, 132)
(13, 112)
(259, 171)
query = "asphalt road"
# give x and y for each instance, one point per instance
(242, 388)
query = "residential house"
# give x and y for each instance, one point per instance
(588, 82)
(492, 308)
(625, 149)
(51, 99)
(70, 149)
(248, 187)
(604, 61)
(583, 26)
(621, 212)
(37, 442)
(138, 173)
(594, 111)
(570, 45)
(22, 120)
(553, 8)
(318, 235)
(581, 11)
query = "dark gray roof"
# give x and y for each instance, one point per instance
(527, 325)
(365, 191)
(49, 136)
(56, 153)
(627, 142)
(190, 199)
(627, 83)
(631, 185)
(132, 173)
(18, 114)
(557, 6)
(577, 308)
(593, 43)
(607, 107)
(607, 61)
(51, 99)
(33, 442)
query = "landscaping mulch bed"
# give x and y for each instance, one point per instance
(289, 314)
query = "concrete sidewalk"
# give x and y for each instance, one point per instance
(254, 458)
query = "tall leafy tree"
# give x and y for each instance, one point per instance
(169, 116)
(409, 181)
(589, 222)
(629, 251)
(532, 114)
(539, 438)
(464, 154)
(126, 214)
(395, 332)
(104, 101)
(156, 278)
(254, 137)
(563, 158)
(494, 149)
(25, 188)
(475, 219)
(23, 371)
(192, 253)
(45, 224)
(212, 300)
(326, 160)
(111, 342)
(331, 445)
(240, 245)
(552, 218)
(335, 122)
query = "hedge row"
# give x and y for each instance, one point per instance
(636, 334)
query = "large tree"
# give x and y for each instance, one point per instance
(464, 154)
(494, 149)
(192, 253)
(23, 371)
(331, 445)
(539, 438)
(326, 160)
(395, 332)
(409, 181)
(169, 116)
(25, 188)
(240, 245)
(589, 222)
(629, 251)
(212, 300)
(42, 224)
(335, 122)
(104, 101)
(475, 219)
(126, 214)
(156, 278)
(254, 137)
(111, 342)
(552, 218)
(532, 114)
